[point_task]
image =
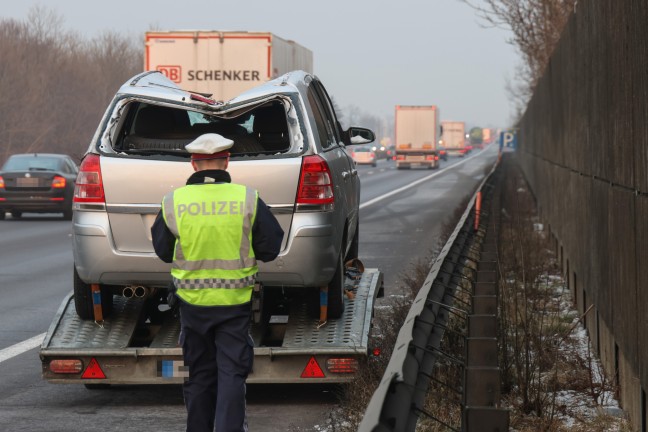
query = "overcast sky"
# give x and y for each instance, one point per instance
(373, 54)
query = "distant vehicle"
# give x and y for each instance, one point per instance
(468, 148)
(223, 64)
(416, 136)
(380, 150)
(442, 152)
(390, 152)
(37, 183)
(454, 137)
(364, 156)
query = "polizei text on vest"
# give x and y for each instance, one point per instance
(209, 208)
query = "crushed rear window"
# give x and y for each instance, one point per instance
(155, 129)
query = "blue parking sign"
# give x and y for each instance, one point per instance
(508, 139)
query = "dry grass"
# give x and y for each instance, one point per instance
(551, 380)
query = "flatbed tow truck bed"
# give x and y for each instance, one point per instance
(129, 349)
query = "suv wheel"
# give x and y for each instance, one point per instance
(83, 299)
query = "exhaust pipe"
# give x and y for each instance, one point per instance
(140, 291)
(137, 291)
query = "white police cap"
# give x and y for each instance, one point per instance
(209, 146)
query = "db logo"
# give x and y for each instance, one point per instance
(174, 73)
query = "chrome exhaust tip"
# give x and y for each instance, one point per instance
(140, 291)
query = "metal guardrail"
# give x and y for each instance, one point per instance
(397, 403)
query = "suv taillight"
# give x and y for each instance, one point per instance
(315, 183)
(1, 183)
(89, 185)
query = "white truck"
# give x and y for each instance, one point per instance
(222, 64)
(453, 137)
(416, 133)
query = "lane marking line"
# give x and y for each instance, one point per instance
(21, 347)
(417, 182)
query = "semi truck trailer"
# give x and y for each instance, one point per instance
(222, 64)
(453, 137)
(417, 131)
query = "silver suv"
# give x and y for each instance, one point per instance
(288, 144)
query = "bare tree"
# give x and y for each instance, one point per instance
(536, 26)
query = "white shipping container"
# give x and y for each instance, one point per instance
(416, 131)
(416, 127)
(454, 135)
(223, 63)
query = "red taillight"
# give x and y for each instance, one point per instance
(204, 99)
(315, 183)
(1, 183)
(58, 182)
(400, 157)
(89, 185)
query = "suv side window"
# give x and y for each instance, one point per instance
(328, 108)
(326, 137)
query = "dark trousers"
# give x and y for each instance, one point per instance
(218, 351)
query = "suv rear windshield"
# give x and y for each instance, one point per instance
(154, 129)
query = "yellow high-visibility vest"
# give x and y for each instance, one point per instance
(213, 261)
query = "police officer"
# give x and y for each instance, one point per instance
(213, 232)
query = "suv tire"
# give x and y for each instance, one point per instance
(83, 299)
(336, 291)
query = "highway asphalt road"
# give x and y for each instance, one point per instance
(402, 214)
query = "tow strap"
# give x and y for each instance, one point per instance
(96, 304)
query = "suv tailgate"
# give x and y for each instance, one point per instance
(134, 189)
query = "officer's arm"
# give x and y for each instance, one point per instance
(163, 239)
(266, 234)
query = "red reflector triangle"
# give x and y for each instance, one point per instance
(93, 371)
(312, 370)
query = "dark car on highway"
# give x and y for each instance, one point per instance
(37, 183)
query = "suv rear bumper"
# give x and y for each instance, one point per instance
(97, 260)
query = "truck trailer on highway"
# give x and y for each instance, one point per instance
(416, 131)
(223, 64)
(453, 137)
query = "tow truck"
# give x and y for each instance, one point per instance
(138, 342)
